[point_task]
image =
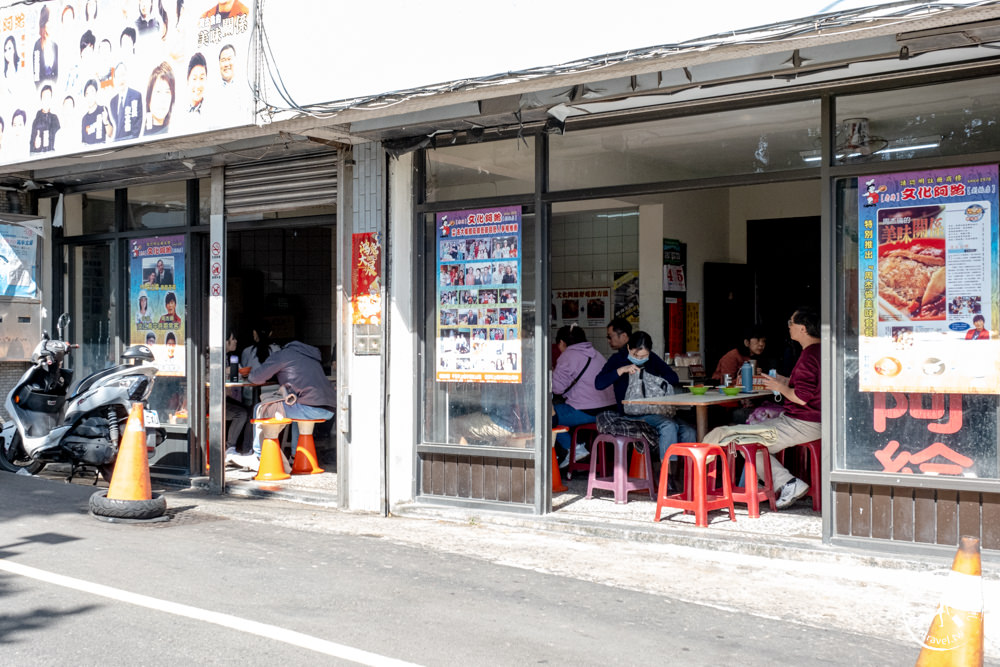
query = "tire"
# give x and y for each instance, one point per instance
(21, 460)
(101, 505)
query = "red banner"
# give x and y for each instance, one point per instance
(366, 279)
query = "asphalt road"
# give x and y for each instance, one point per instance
(212, 586)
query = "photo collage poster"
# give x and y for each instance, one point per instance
(157, 303)
(929, 298)
(86, 75)
(479, 295)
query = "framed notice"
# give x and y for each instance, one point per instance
(479, 295)
(928, 292)
(157, 299)
(586, 307)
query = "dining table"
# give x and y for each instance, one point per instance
(700, 402)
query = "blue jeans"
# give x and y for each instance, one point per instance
(297, 411)
(567, 415)
(672, 430)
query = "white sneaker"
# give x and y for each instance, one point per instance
(564, 461)
(248, 461)
(581, 452)
(791, 492)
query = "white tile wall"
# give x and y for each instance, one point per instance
(587, 248)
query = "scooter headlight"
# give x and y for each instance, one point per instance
(139, 388)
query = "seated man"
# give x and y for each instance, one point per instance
(298, 370)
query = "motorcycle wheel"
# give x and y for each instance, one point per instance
(20, 459)
(101, 505)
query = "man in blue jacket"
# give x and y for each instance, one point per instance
(299, 372)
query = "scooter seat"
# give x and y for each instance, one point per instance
(87, 382)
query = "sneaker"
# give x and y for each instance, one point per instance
(791, 492)
(248, 461)
(564, 461)
(581, 452)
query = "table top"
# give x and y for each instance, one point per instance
(688, 399)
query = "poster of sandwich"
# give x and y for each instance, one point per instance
(928, 291)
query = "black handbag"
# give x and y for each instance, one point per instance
(561, 398)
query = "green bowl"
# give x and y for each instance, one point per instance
(698, 389)
(731, 391)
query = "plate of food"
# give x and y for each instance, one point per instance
(911, 280)
(888, 367)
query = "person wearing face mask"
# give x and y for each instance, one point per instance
(635, 355)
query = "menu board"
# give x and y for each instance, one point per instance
(157, 299)
(928, 289)
(479, 295)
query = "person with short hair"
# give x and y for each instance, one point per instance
(227, 64)
(126, 106)
(979, 330)
(95, 127)
(619, 329)
(197, 73)
(170, 305)
(46, 124)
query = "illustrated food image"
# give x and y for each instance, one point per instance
(888, 366)
(933, 366)
(911, 282)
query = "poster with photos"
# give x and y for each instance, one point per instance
(85, 75)
(586, 307)
(479, 295)
(157, 299)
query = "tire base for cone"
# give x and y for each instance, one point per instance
(105, 508)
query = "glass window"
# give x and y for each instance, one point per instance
(745, 141)
(478, 381)
(204, 201)
(93, 321)
(487, 169)
(901, 431)
(89, 213)
(944, 119)
(157, 206)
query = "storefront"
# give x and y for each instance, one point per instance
(910, 456)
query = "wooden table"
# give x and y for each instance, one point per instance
(699, 403)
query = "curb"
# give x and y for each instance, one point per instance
(269, 490)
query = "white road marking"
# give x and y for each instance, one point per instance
(265, 630)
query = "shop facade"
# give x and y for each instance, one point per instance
(592, 201)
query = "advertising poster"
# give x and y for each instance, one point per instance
(18, 261)
(157, 302)
(673, 266)
(626, 294)
(86, 76)
(928, 289)
(587, 307)
(479, 295)
(366, 290)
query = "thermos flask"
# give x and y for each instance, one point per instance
(746, 375)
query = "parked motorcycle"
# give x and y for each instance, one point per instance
(82, 427)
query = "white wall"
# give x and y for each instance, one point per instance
(758, 202)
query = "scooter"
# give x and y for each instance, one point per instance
(82, 427)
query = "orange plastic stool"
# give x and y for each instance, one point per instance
(696, 496)
(619, 482)
(557, 485)
(580, 433)
(305, 449)
(272, 465)
(749, 493)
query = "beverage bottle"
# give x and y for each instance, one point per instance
(774, 373)
(234, 368)
(746, 375)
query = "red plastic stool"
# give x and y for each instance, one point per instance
(812, 450)
(696, 497)
(580, 433)
(557, 485)
(750, 494)
(619, 482)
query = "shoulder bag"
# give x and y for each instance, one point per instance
(561, 398)
(647, 385)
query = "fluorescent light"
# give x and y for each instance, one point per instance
(918, 144)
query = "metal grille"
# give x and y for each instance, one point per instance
(282, 185)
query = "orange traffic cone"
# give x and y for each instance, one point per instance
(557, 485)
(130, 480)
(305, 449)
(272, 461)
(955, 637)
(130, 496)
(638, 466)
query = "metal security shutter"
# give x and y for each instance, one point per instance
(282, 185)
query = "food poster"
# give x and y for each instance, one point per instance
(479, 295)
(19, 245)
(157, 303)
(626, 294)
(366, 278)
(928, 290)
(585, 307)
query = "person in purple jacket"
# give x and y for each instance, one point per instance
(636, 354)
(573, 379)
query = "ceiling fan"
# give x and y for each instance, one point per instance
(856, 143)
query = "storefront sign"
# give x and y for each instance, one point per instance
(928, 292)
(157, 302)
(673, 266)
(626, 288)
(108, 74)
(479, 295)
(366, 272)
(18, 261)
(588, 307)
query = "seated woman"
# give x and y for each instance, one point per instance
(752, 347)
(573, 379)
(636, 355)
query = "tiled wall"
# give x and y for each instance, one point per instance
(587, 248)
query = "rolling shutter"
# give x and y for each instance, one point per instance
(282, 185)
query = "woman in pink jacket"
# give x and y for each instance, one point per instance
(573, 380)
